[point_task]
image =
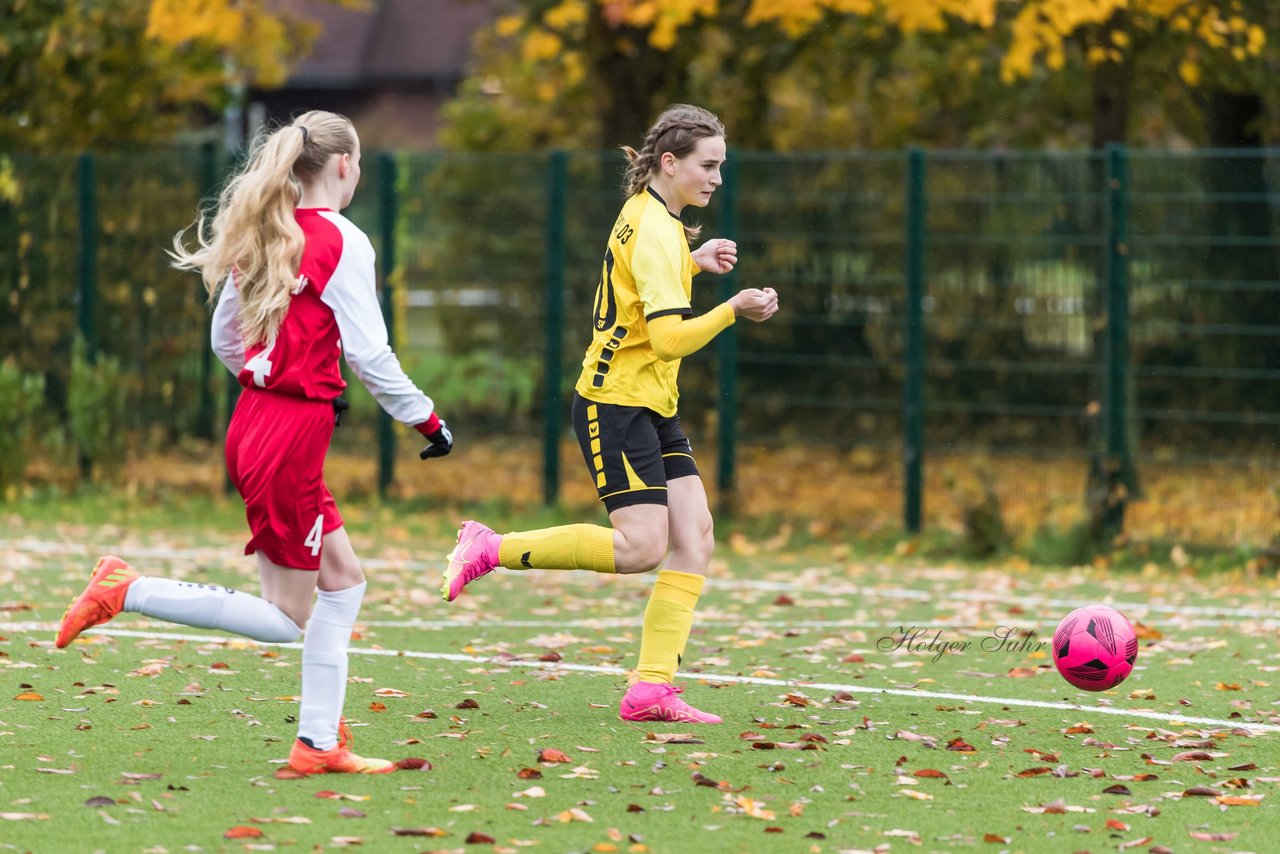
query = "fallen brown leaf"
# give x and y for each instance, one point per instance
(673, 738)
(434, 832)
(242, 832)
(1203, 836)
(1239, 801)
(413, 763)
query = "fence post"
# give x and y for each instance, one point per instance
(553, 344)
(727, 353)
(387, 211)
(88, 280)
(1118, 474)
(204, 414)
(913, 345)
(87, 286)
(231, 383)
(230, 395)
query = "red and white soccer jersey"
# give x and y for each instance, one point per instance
(282, 425)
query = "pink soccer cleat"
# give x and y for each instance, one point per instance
(658, 701)
(475, 555)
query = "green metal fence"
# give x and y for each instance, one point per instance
(1111, 314)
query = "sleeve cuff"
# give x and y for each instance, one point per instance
(429, 426)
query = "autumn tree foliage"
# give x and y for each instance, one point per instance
(83, 73)
(609, 64)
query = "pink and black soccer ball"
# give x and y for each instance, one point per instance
(1094, 648)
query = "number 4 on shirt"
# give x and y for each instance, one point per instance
(316, 536)
(261, 365)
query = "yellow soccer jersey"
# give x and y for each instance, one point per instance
(647, 273)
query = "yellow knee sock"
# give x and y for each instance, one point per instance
(566, 547)
(667, 621)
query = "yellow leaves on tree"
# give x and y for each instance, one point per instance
(1042, 29)
(797, 17)
(1039, 30)
(178, 21)
(259, 42)
(662, 18)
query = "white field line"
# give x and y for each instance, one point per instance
(837, 587)
(965, 626)
(746, 623)
(1145, 714)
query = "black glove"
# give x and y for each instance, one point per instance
(340, 406)
(441, 442)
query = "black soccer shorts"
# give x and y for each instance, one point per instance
(631, 451)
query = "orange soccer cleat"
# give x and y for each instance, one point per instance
(339, 760)
(100, 601)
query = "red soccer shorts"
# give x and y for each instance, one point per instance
(276, 446)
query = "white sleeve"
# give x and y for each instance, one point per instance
(228, 343)
(352, 294)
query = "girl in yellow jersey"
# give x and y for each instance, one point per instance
(625, 409)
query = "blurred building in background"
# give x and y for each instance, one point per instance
(390, 67)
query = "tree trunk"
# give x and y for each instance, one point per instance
(1109, 481)
(1242, 212)
(1234, 119)
(630, 77)
(1111, 86)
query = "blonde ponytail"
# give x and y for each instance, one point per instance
(677, 130)
(254, 235)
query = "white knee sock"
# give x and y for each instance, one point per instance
(324, 664)
(206, 606)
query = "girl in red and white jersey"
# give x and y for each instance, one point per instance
(295, 288)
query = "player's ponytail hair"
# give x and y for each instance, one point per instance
(677, 130)
(254, 233)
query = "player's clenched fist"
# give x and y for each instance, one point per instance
(755, 303)
(438, 435)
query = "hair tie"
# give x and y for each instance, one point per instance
(305, 135)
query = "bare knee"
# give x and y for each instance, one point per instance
(299, 613)
(340, 569)
(640, 537)
(633, 555)
(704, 541)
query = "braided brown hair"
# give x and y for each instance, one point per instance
(677, 130)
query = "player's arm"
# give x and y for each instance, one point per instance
(352, 294)
(675, 336)
(228, 343)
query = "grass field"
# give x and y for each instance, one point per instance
(838, 736)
